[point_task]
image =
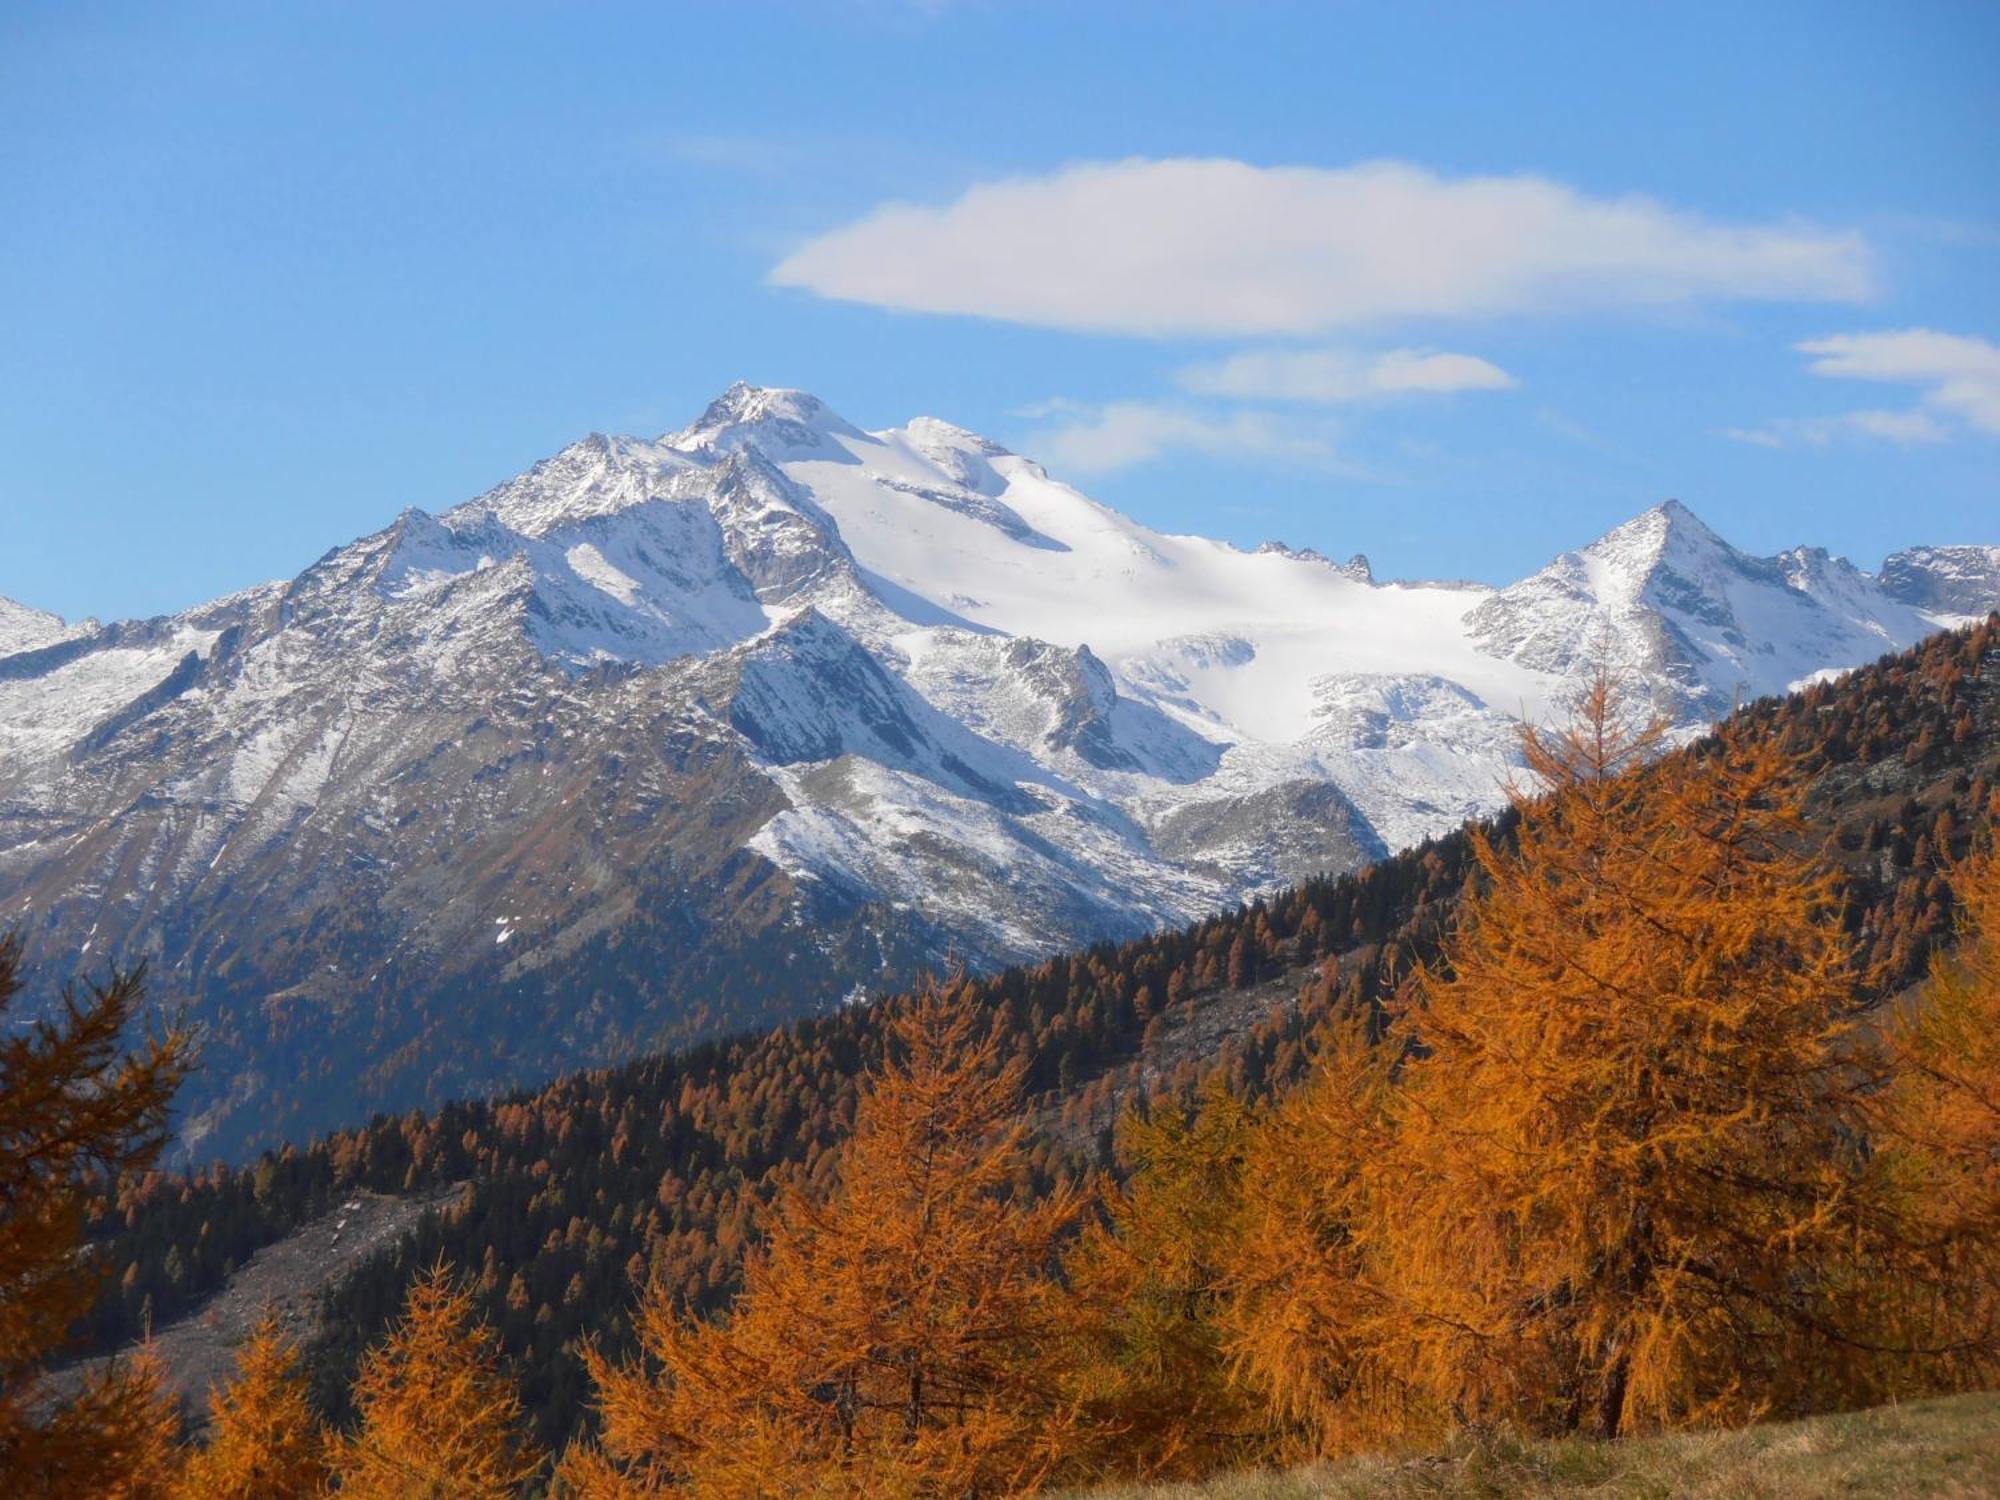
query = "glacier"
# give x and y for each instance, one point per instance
(851, 701)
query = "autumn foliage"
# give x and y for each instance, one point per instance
(1149, 1281)
(440, 1418)
(264, 1440)
(900, 1337)
(1302, 1302)
(1625, 1139)
(1939, 1126)
(1633, 1151)
(1635, 1097)
(75, 1106)
(437, 1415)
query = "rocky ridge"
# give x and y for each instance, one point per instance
(668, 736)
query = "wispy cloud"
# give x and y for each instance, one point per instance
(1958, 376)
(1900, 427)
(1223, 248)
(1086, 439)
(1336, 376)
(752, 155)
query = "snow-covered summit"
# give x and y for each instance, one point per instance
(1668, 536)
(596, 476)
(774, 682)
(24, 629)
(1667, 601)
(780, 422)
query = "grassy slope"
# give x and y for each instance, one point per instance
(1944, 1448)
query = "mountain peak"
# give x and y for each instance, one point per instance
(596, 475)
(748, 415)
(1667, 535)
(1671, 519)
(744, 402)
(23, 627)
(927, 432)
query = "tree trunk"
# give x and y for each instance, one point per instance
(1611, 1400)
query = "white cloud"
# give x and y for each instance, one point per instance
(1220, 247)
(1759, 437)
(1901, 427)
(1119, 434)
(1895, 426)
(753, 155)
(1333, 376)
(1961, 374)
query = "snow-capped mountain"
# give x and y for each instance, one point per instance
(668, 736)
(22, 628)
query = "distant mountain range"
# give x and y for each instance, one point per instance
(665, 737)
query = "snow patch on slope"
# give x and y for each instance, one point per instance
(25, 629)
(946, 680)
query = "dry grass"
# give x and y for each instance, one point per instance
(1936, 1450)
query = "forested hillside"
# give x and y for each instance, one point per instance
(664, 740)
(657, 1169)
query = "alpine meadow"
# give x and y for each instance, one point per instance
(785, 951)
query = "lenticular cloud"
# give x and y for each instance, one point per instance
(1223, 248)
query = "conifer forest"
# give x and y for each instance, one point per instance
(1664, 1100)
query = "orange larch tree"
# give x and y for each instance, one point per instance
(1304, 1308)
(154, 1459)
(1150, 1282)
(902, 1337)
(1626, 1185)
(1939, 1126)
(75, 1108)
(440, 1418)
(264, 1442)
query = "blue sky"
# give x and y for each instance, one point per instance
(1456, 286)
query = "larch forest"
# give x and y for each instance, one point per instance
(1667, 1099)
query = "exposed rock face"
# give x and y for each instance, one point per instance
(1665, 600)
(667, 737)
(1274, 837)
(1944, 580)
